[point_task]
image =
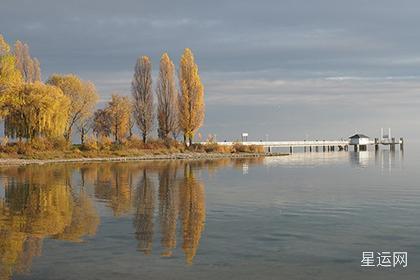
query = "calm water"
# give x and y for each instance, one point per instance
(305, 216)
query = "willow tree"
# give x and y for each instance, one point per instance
(83, 98)
(191, 98)
(141, 90)
(10, 77)
(38, 110)
(119, 112)
(167, 96)
(27, 65)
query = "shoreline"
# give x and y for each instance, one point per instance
(178, 156)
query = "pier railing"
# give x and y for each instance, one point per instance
(303, 143)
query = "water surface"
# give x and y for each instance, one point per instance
(304, 216)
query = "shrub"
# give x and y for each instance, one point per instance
(134, 143)
(256, 149)
(198, 148)
(90, 144)
(211, 148)
(215, 148)
(23, 148)
(240, 148)
(4, 141)
(104, 143)
(59, 143)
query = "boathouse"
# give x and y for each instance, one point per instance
(359, 141)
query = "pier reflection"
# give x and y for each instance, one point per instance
(60, 201)
(384, 159)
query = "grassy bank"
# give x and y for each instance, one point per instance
(102, 149)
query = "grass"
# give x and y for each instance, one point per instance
(42, 148)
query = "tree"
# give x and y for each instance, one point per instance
(10, 77)
(83, 127)
(191, 99)
(83, 98)
(141, 90)
(167, 96)
(119, 112)
(29, 67)
(101, 123)
(4, 47)
(37, 110)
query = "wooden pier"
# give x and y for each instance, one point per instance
(358, 141)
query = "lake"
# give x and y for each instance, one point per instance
(304, 216)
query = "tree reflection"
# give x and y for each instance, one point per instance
(143, 219)
(179, 198)
(168, 208)
(38, 204)
(114, 185)
(55, 201)
(193, 212)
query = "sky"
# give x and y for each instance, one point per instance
(278, 70)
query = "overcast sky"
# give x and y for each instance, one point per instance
(289, 69)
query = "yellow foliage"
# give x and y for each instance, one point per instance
(29, 67)
(119, 111)
(37, 110)
(193, 212)
(82, 96)
(4, 47)
(10, 77)
(191, 100)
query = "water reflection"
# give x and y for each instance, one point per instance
(193, 212)
(169, 202)
(384, 159)
(39, 203)
(166, 199)
(143, 219)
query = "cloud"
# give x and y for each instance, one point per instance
(275, 58)
(375, 92)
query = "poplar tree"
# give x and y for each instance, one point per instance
(167, 97)
(141, 90)
(191, 99)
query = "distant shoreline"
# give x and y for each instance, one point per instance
(178, 156)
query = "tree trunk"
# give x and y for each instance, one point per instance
(67, 134)
(82, 136)
(144, 138)
(190, 141)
